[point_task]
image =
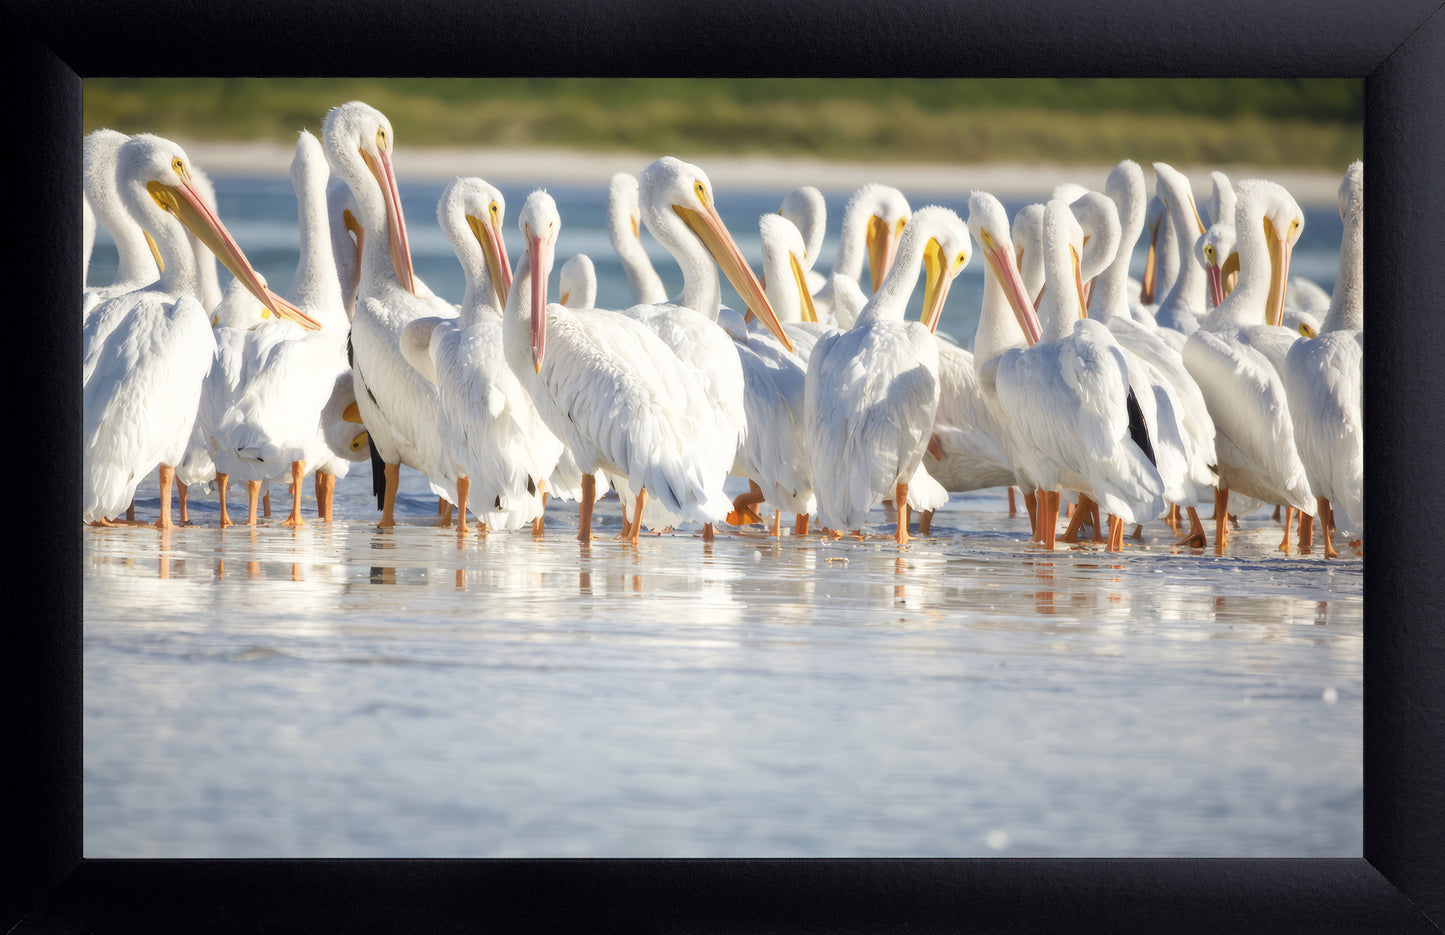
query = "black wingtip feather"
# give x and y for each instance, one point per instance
(378, 475)
(1138, 428)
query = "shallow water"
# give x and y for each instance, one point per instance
(343, 691)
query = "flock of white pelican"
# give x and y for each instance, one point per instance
(1213, 376)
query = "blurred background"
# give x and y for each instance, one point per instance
(935, 139)
(1258, 122)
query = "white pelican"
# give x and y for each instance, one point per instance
(808, 211)
(138, 256)
(492, 431)
(872, 391)
(1125, 187)
(873, 219)
(967, 449)
(1230, 359)
(1183, 305)
(774, 454)
(577, 282)
(87, 239)
(398, 405)
(347, 239)
(1071, 418)
(141, 399)
(607, 386)
(273, 429)
(1220, 206)
(624, 218)
(678, 208)
(1178, 422)
(1159, 262)
(1324, 382)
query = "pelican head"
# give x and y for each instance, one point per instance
(540, 224)
(1099, 219)
(1352, 191)
(989, 225)
(1215, 252)
(888, 214)
(673, 189)
(157, 185)
(945, 254)
(784, 249)
(1028, 234)
(808, 211)
(623, 213)
(472, 205)
(577, 282)
(359, 140)
(1171, 187)
(1267, 204)
(1221, 199)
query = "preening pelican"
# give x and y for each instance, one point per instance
(808, 211)
(872, 391)
(873, 219)
(774, 454)
(141, 399)
(1324, 382)
(624, 219)
(1230, 359)
(1071, 418)
(1183, 305)
(347, 239)
(967, 449)
(607, 386)
(577, 283)
(87, 239)
(138, 257)
(273, 431)
(503, 452)
(398, 405)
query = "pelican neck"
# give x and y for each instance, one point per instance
(1347, 301)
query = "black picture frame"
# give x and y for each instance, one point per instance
(49, 46)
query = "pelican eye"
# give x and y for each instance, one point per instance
(380, 139)
(179, 166)
(494, 208)
(902, 223)
(1209, 250)
(701, 190)
(959, 263)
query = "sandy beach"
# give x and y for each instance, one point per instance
(554, 167)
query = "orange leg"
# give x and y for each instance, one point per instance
(392, 474)
(325, 495)
(167, 475)
(1327, 527)
(1275, 517)
(1077, 520)
(253, 491)
(130, 512)
(743, 512)
(637, 511)
(1221, 519)
(538, 526)
(444, 512)
(266, 503)
(1031, 501)
(800, 526)
(1306, 533)
(222, 480)
(1116, 535)
(295, 520)
(1048, 517)
(1172, 518)
(709, 534)
(1288, 520)
(181, 490)
(925, 522)
(584, 511)
(464, 484)
(777, 524)
(901, 501)
(1195, 539)
(1013, 509)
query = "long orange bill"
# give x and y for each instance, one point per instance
(385, 175)
(539, 253)
(1005, 269)
(494, 249)
(714, 235)
(183, 201)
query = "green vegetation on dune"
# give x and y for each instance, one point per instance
(1265, 122)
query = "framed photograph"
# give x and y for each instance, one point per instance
(857, 885)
